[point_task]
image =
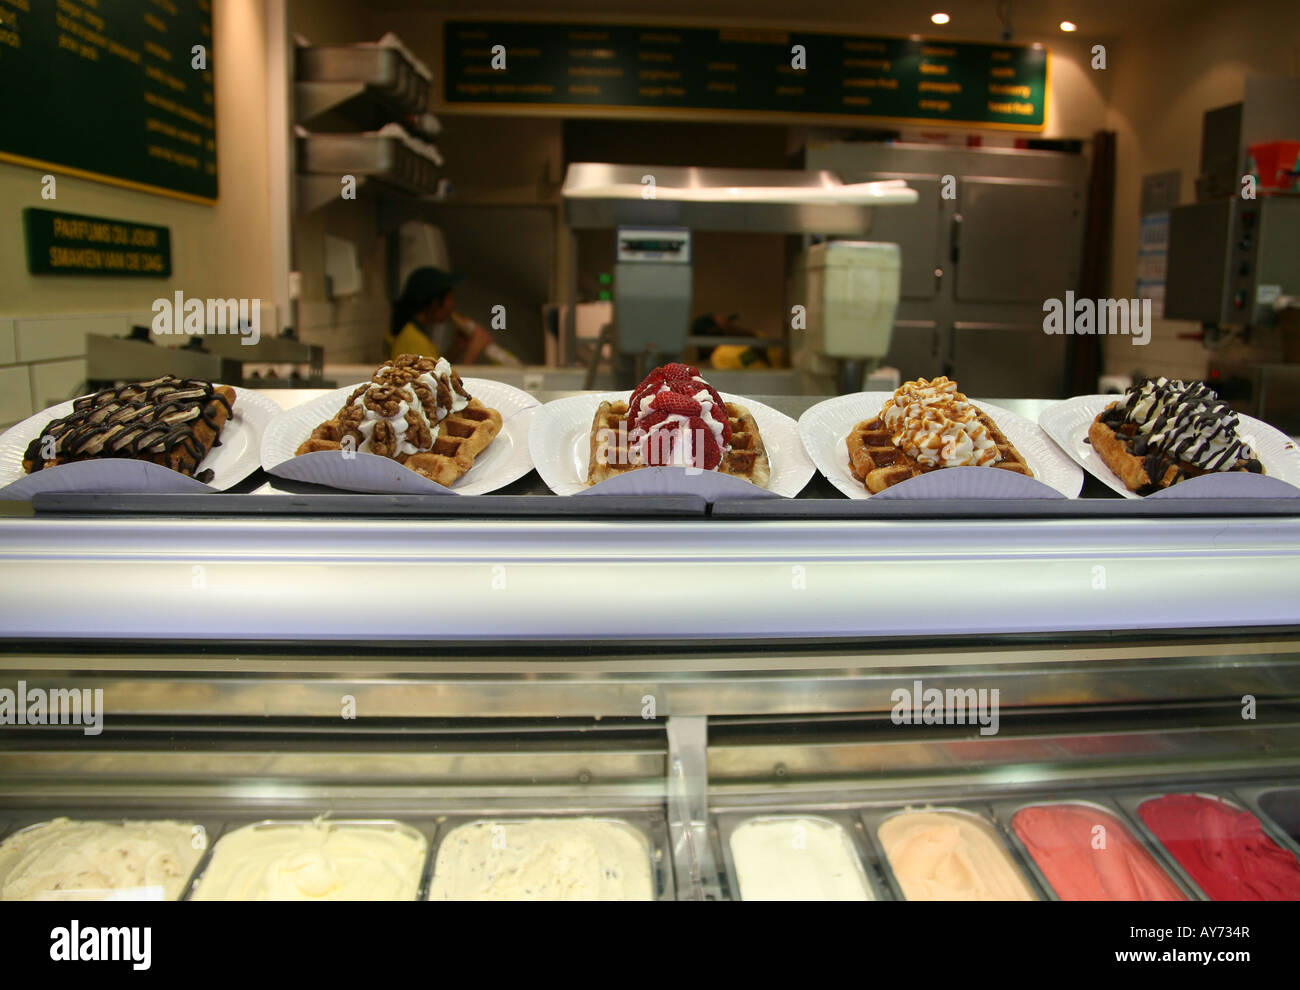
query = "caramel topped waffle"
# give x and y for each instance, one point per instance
(169, 421)
(927, 426)
(612, 453)
(416, 411)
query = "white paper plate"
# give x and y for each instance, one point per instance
(560, 440)
(506, 458)
(237, 456)
(825, 427)
(1067, 423)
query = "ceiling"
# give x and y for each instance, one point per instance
(1032, 20)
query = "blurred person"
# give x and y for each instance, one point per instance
(424, 317)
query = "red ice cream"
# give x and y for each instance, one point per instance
(676, 417)
(1224, 850)
(1063, 840)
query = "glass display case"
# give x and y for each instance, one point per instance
(768, 699)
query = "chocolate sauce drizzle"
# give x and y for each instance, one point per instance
(1185, 425)
(144, 420)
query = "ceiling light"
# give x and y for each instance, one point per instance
(1069, 26)
(939, 18)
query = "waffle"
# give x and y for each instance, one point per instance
(878, 463)
(173, 422)
(448, 446)
(1146, 465)
(610, 456)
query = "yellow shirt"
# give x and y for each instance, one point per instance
(412, 340)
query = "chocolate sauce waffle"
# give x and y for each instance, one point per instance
(416, 411)
(611, 454)
(174, 422)
(1161, 432)
(878, 463)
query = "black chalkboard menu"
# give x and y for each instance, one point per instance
(109, 90)
(743, 69)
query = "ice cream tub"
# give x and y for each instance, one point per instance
(551, 857)
(1136, 872)
(105, 856)
(797, 856)
(1278, 804)
(315, 859)
(1273, 872)
(948, 852)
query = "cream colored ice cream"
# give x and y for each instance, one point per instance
(76, 860)
(796, 859)
(941, 856)
(544, 859)
(314, 861)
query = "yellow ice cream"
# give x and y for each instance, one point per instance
(545, 859)
(940, 856)
(69, 860)
(314, 861)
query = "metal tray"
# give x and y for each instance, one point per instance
(409, 826)
(1004, 811)
(1132, 800)
(725, 823)
(210, 825)
(379, 156)
(1275, 803)
(650, 826)
(380, 67)
(873, 818)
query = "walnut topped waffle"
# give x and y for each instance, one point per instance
(676, 418)
(416, 411)
(170, 421)
(926, 426)
(1162, 432)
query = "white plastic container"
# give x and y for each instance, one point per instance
(850, 289)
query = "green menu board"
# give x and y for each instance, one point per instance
(109, 90)
(743, 69)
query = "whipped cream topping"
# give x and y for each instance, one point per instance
(934, 423)
(1187, 422)
(412, 396)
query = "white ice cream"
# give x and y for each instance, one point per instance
(78, 860)
(796, 859)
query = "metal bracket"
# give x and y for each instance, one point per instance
(688, 809)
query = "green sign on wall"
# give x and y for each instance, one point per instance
(72, 244)
(531, 65)
(108, 90)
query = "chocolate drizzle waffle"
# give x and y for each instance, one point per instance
(612, 454)
(169, 421)
(1161, 432)
(878, 463)
(416, 411)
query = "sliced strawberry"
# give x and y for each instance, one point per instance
(702, 445)
(676, 403)
(676, 370)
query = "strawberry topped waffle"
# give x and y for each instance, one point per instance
(676, 418)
